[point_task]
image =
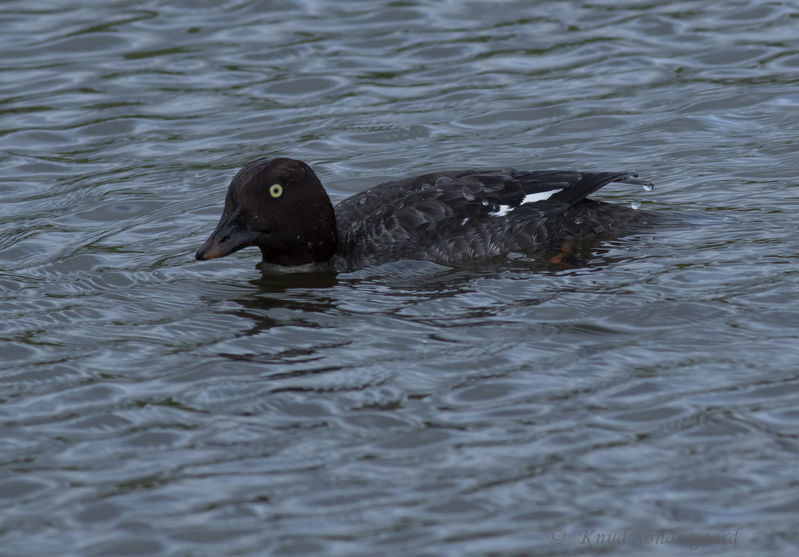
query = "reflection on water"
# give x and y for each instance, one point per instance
(151, 404)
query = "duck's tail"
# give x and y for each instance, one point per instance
(579, 185)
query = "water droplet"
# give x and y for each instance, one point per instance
(578, 221)
(484, 202)
(648, 187)
(468, 196)
(443, 180)
(635, 205)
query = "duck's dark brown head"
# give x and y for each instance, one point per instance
(280, 206)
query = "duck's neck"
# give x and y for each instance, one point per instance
(311, 238)
(305, 251)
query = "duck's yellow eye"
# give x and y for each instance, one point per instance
(275, 190)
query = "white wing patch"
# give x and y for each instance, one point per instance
(541, 196)
(530, 198)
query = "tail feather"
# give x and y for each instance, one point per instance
(586, 183)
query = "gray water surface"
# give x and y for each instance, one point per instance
(151, 404)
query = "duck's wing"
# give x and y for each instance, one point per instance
(567, 186)
(405, 212)
(470, 193)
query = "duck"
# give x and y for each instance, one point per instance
(451, 217)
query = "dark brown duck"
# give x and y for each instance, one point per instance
(455, 217)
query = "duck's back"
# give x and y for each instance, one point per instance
(466, 215)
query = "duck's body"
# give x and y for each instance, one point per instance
(447, 217)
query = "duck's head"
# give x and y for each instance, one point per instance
(280, 206)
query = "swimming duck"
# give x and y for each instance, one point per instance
(280, 206)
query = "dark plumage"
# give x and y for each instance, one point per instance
(451, 217)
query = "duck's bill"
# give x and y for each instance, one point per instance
(229, 236)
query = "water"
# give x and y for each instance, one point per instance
(151, 404)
